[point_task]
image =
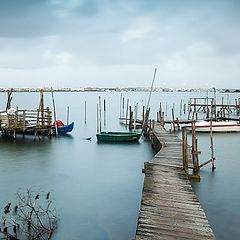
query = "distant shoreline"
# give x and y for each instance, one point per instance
(137, 89)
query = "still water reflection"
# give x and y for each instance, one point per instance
(97, 187)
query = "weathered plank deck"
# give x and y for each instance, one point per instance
(169, 207)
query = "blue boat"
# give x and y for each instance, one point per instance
(62, 129)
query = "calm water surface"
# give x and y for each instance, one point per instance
(98, 187)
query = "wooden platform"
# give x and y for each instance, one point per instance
(169, 207)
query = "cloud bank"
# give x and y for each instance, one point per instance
(79, 43)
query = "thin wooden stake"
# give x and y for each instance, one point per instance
(100, 115)
(184, 149)
(85, 112)
(211, 146)
(97, 118)
(54, 113)
(67, 115)
(127, 112)
(135, 116)
(104, 112)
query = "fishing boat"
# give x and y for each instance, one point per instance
(62, 128)
(118, 136)
(205, 126)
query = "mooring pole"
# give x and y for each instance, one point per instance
(85, 112)
(54, 113)
(97, 119)
(104, 112)
(67, 115)
(211, 144)
(127, 112)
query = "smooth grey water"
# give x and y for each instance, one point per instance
(97, 187)
(219, 191)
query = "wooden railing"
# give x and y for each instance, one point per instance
(24, 119)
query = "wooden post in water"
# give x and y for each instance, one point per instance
(9, 98)
(181, 105)
(184, 108)
(104, 112)
(162, 123)
(67, 115)
(120, 108)
(184, 149)
(160, 107)
(143, 115)
(54, 113)
(135, 115)
(173, 120)
(194, 148)
(211, 146)
(85, 112)
(100, 114)
(97, 118)
(130, 118)
(15, 123)
(166, 109)
(41, 107)
(123, 103)
(127, 112)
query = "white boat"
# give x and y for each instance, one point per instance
(204, 126)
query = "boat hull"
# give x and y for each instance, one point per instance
(62, 130)
(216, 127)
(118, 137)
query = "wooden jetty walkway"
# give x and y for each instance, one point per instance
(169, 207)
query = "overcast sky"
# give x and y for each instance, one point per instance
(118, 43)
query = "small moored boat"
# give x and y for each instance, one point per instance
(204, 126)
(118, 136)
(61, 128)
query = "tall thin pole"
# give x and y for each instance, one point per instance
(100, 114)
(97, 119)
(67, 115)
(211, 142)
(127, 112)
(120, 108)
(85, 112)
(150, 94)
(104, 112)
(54, 113)
(135, 116)
(123, 101)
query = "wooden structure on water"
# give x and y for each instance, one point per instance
(36, 122)
(207, 105)
(169, 207)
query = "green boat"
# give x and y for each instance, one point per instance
(118, 136)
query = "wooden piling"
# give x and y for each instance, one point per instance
(85, 112)
(54, 113)
(104, 112)
(100, 113)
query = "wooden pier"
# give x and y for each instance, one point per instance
(22, 121)
(169, 207)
